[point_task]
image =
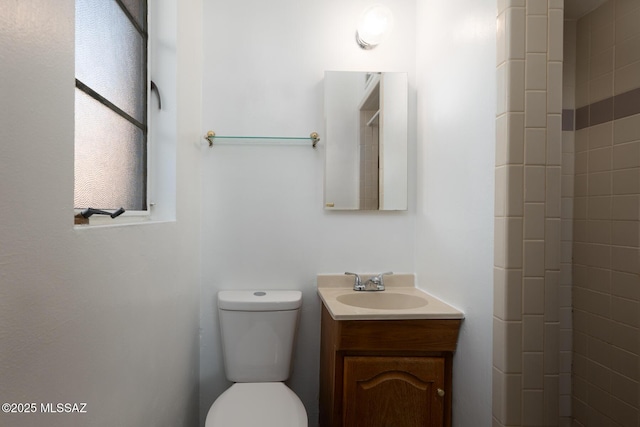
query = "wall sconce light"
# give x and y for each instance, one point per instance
(374, 24)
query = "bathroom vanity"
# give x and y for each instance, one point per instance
(385, 366)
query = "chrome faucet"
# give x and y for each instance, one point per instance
(377, 281)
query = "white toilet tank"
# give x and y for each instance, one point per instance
(258, 331)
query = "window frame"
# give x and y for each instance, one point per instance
(130, 216)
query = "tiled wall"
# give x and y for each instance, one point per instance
(369, 169)
(606, 292)
(526, 373)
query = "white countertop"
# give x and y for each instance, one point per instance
(333, 286)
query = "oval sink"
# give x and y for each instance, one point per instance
(382, 300)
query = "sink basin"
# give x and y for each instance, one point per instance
(383, 300)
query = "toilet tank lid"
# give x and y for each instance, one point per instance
(259, 300)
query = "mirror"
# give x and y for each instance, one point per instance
(366, 140)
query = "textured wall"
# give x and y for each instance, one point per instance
(107, 315)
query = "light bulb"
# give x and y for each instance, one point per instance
(374, 24)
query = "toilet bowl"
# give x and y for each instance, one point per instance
(258, 331)
(257, 404)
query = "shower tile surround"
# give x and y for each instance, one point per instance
(606, 289)
(528, 214)
(567, 211)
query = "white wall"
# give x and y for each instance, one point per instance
(263, 220)
(455, 192)
(106, 316)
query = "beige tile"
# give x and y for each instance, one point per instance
(624, 414)
(507, 399)
(582, 91)
(555, 48)
(580, 205)
(534, 221)
(534, 184)
(626, 181)
(515, 182)
(568, 183)
(625, 311)
(582, 140)
(533, 295)
(501, 140)
(599, 207)
(625, 233)
(535, 7)
(516, 85)
(554, 88)
(515, 31)
(627, 25)
(515, 134)
(532, 407)
(625, 208)
(599, 375)
(554, 140)
(625, 363)
(552, 296)
(532, 333)
(625, 337)
(536, 34)
(500, 191)
(568, 144)
(532, 371)
(627, 129)
(533, 258)
(514, 243)
(502, 89)
(599, 184)
(536, 109)
(501, 38)
(627, 78)
(598, 279)
(536, 74)
(599, 232)
(551, 348)
(599, 256)
(624, 259)
(507, 294)
(625, 389)
(600, 135)
(580, 231)
(602, 38)
(625, 7)
(552, 244)
(601, 87)
(627, 52)
(582, 163)
(535, 142)
(600, 160)
(601, 63)
(625, 285)
(626, 155)
(507, 350)
(603, 15)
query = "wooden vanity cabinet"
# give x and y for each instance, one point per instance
(378, 373)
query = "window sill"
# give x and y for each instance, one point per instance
(129, 218)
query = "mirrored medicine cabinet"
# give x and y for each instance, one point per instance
(366, 140)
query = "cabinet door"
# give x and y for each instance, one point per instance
(393, 391)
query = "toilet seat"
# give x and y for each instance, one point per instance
(257, 404)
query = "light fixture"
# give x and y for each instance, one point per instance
(374, 24)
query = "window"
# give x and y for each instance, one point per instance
(111, 105)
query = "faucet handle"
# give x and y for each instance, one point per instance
(378, 280)
(357, 285)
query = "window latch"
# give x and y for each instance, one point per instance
(154, 88)
(83, 217)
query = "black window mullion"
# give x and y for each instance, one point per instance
(133, 20)
(104, 101)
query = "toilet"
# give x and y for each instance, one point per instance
(258, 330)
